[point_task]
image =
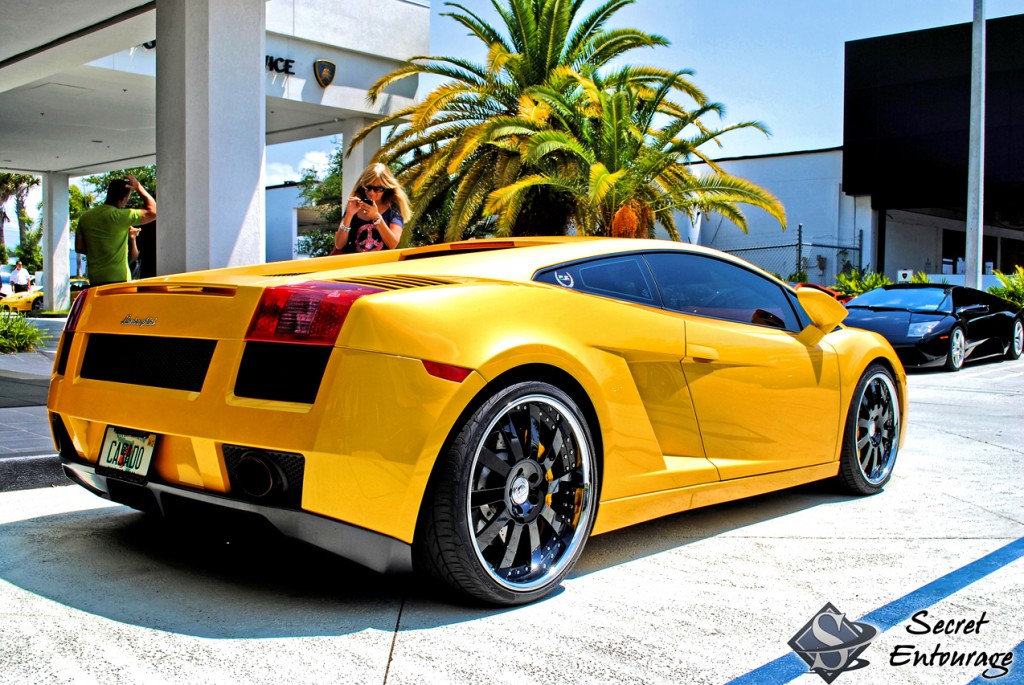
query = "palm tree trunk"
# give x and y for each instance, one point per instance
(19, 208)
(3, 243)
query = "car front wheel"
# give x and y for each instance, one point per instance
(872, 435)
(1016, 346)
(513, 501)
(957, 349)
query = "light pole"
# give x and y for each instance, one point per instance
(976, 152)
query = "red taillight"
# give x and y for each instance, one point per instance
(76, 312)
(311, 312)
(446, 371)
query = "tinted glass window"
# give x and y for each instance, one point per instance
(624, 278)
(965, 297)
(697, 284)
(916, 299)
(996, 304)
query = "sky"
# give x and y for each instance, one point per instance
(779, 62)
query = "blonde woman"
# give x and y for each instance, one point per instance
(374, 215)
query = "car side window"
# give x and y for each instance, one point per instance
(995, 304)
(623, 278)
(706, 286)
(966, 297)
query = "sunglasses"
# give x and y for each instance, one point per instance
(376, 189)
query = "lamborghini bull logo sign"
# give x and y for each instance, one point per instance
(324, 71)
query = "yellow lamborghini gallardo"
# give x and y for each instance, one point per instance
(475, 410)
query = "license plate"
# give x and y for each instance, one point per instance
(127, 450)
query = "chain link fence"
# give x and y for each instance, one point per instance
(802, 261)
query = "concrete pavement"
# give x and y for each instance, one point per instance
(27, 453)
(24, 427)
(94, 593)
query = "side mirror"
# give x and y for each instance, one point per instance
(824, 311)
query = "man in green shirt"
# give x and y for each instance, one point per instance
(103, 231)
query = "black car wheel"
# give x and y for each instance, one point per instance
(957, 349)
(1016, 346)
(514, 500)
(37, 304)
(872, 435)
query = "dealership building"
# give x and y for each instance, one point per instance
(204, 87)
(201, 86)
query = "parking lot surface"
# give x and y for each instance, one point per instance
(94, 593)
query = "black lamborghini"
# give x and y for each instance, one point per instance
(931, 324)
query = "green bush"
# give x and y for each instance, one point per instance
(17, 334)
(919, 277)
(854, 283)
(316, 243)
(1012, 288)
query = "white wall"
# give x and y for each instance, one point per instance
(809, 187)
(391, 29)
(914, 241)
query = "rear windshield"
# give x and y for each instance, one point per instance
(917, 299)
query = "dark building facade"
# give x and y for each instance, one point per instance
(906, 130)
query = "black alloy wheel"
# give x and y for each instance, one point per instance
(514, 499)
(872, 436)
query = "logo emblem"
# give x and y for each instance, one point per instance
(324, 71)
(830, 643)
(131, 320)
(564, 278)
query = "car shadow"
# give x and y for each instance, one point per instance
(224, 583)
(679, 530)
(971, 363)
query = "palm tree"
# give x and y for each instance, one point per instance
(621, 149)
(8, 188)
(16, 186)
(447, 155)
(25, 182)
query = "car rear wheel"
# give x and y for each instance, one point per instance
(513, 501)
(1016, 346)
(957, 349)
(872, 436)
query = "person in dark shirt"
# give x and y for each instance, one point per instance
(374, 215)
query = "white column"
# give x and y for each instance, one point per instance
(865, 222)
(360, 157)
(211, 133)
(56, 248)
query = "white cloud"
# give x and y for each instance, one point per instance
(279, 172)
(317, 159)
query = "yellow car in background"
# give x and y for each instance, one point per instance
(32, 301)
(473, 410)
(28, 301)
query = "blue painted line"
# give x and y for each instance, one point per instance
(789, 667)
(1014, 677)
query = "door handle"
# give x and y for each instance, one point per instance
(701, 353)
